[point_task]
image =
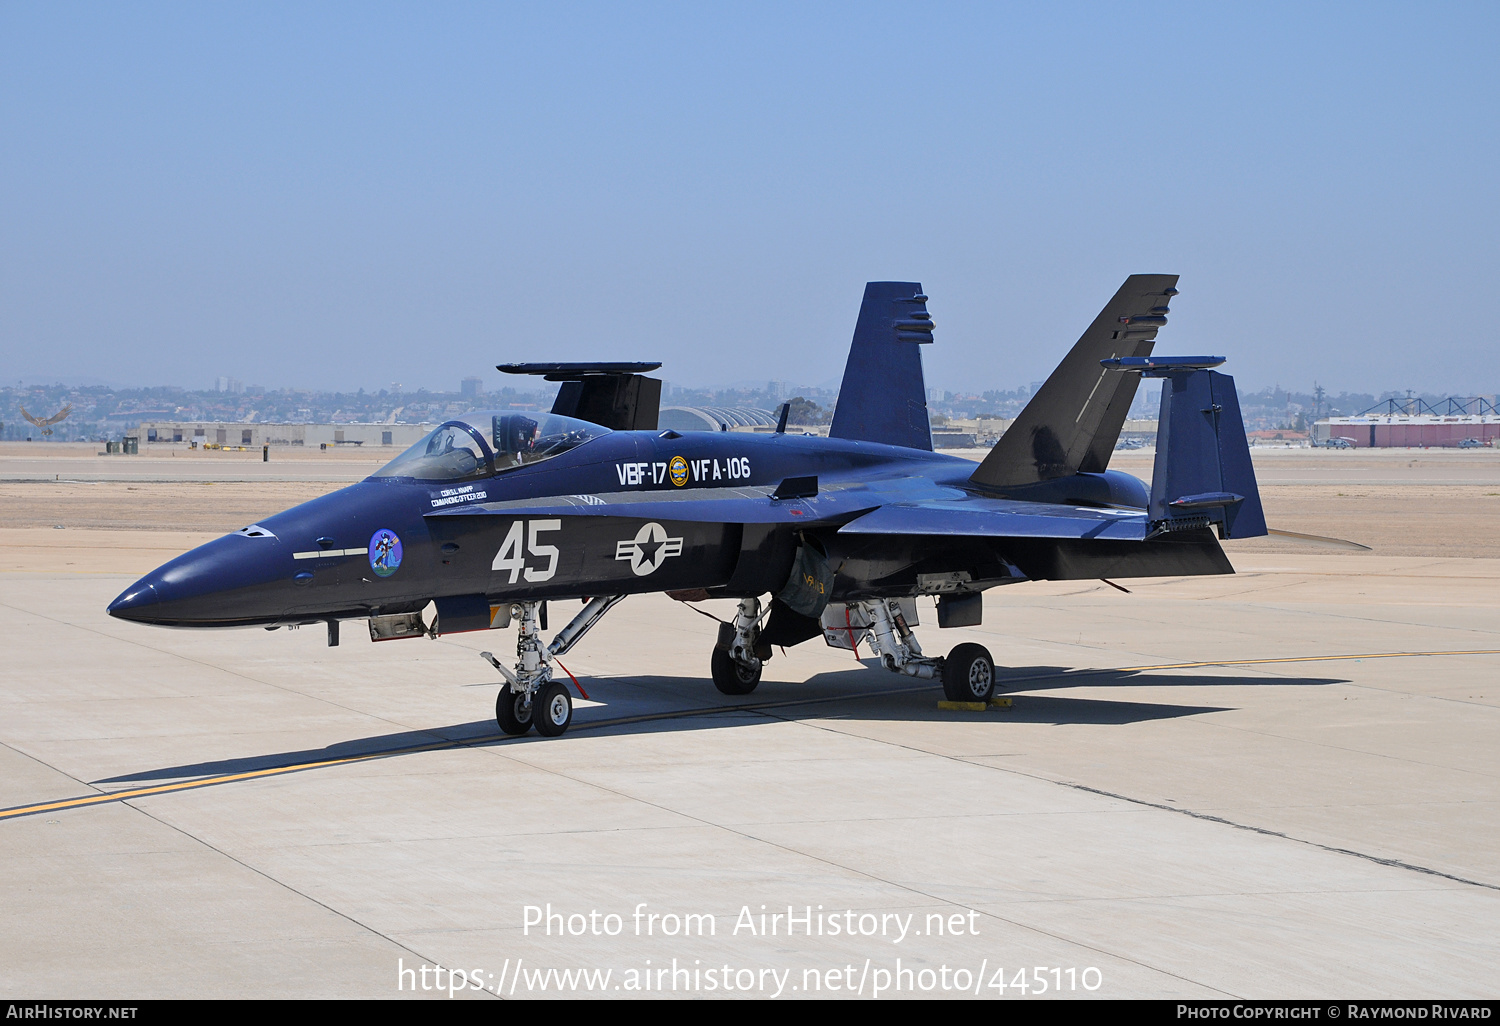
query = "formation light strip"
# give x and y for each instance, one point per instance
(332, 552)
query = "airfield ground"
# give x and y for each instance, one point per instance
(1284, 783)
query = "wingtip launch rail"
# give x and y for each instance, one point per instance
(618, 396)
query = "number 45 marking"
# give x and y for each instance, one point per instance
(510, 557)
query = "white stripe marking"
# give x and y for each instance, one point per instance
(332, 552)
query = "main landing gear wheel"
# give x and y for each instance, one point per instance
(969, 674)
(513, 712)
(552, 710)
(733, 678)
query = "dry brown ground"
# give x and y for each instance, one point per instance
(214, 506)
(1394, 520)
(279, 453)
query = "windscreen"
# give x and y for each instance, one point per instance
(480, 444)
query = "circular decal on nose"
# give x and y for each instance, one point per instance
(385, 552)
(677, 470)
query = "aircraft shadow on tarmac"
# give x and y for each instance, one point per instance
(652, 704)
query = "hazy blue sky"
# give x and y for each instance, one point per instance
(349, 195)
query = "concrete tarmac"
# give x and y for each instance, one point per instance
(1282, 783)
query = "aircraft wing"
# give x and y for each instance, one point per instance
(1001, 518)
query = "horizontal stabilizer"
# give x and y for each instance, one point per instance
(1319, 540)
(883, 398)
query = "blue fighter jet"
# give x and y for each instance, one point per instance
(495, 515)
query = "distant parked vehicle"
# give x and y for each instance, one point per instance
(1471, 443)
(1339, 443)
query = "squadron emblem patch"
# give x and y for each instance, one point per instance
(677, 470)
(385, 552)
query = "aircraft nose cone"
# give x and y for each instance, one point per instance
(136, 602)
(232, 581)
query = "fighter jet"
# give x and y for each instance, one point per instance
(494, 516)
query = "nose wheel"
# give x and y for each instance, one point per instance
(549, 709)
(513, 711)
(552, 710)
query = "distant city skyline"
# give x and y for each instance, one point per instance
(498, 382)
(100, 412)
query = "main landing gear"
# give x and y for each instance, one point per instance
(967, 674)
(530, 697)
(739, 654)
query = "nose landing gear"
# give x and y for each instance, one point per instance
(552, 710)
(530, 697)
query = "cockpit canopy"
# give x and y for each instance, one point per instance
(481, 444)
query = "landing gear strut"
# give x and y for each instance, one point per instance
(529, 696)
(893, 641)
(968, 674)
(739, 655)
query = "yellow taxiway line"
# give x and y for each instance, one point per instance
(227, 778)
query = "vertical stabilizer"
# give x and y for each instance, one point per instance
(883, 398)
(1073, 421)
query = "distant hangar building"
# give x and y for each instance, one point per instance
(748, 418)
(715, 418)
(255, 435)
(1414, 424)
